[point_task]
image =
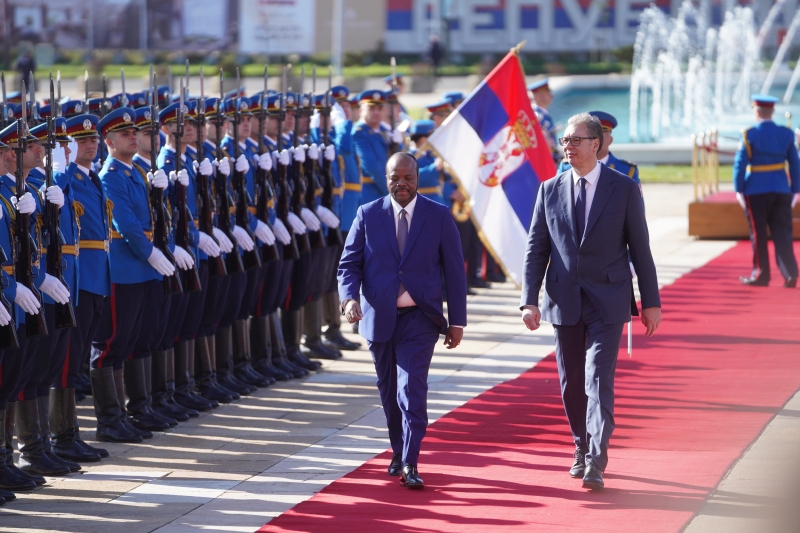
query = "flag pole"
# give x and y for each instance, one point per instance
(517, 49)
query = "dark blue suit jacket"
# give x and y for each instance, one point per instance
(371, 262)
(598, 263)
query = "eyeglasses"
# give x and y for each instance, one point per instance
(574, 141)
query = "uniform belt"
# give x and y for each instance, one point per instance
(9, 270)
(338, 191)
(430, 190)
(251, 209)
(352, 187)
(117, 235)
(69, 249)
(766, 168)
(365, 179)
(94, 245)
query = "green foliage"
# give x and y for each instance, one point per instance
(677, 173)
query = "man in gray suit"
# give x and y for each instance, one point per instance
(585, 224)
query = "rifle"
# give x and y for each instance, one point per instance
(233, 261)
(3, 118)
(52, 238)
(8, 333)
(290, 251)
(190, 279)
(251, 259)
(311, 172)
(262, 186)
(393, 148)
(34, 118)
(205, 202)
(334, 234)
(299, 192)
(172, 284)
(24, 245)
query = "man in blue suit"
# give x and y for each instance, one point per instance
(585, 223)
(398, 268)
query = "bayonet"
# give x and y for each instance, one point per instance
(58, 96)
(86, 91)
(169, 81)
(3, 120)
(186, 76)
(124, 94)
(105, 96)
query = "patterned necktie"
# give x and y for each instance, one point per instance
(580, 209)
(402, 235)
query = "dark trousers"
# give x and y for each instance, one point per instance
(215, 295)
(586, 354)
(16, 364)
(156, 320)
(267, 293)
(48, 359)
(402, 366)
(773, 210)
(472, 247)
(121, 323)
(253, 288)
(233, 299)
(195, 306)
(88, 315)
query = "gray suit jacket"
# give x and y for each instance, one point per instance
(598, 263)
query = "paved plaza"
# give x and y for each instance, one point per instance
(235, 468)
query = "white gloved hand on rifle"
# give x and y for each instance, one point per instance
(59, 158)
(264, 234)
(313, 152)
(26, 300)
(160, 263)
(299, 154)
(265, 161)
(225, 243)
(243, 238)
(310, 219)
(327, 217)
(337, 115)
(281, 233)
(204, 167)
(184, 259)
(208, 245)
(56, 290)
(397, 136)
(223, 165)
(53, 194)
(242, 165)
(158, 179)
(297, 225)
(25, 205)
(181, 177)
(5, 316)
(284, 158)
(330, 152)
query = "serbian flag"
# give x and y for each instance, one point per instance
(496, 151)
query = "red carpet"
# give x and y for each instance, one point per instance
(691, 400)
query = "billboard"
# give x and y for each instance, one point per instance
(277, 26)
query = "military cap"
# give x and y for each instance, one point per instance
(442, 106)
(170, 113)
(45, 110)
(163, 94)
(353, 99)
(454, 97)
(16, 109)
(144, 118)
(539, 84)
(137, 100)
(241, 91)
(82, 126)
(119, 119)
(229, 107)
(764, 100)
(96, 105)
(398, 77)
(291, 100)
(9, 136)
(422, 128)
(40, 131)
(14, 97)
(9, 111)
(122, 100)
(607, 120)
(319, 101)
(274, 103)
(211, 107)
(255, 102)
(372, 97)
(70, 108)
(340, 93)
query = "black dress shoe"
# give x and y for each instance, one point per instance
(102, 452)
(411, 477)
(790, 283)
(6, 496)
(396, 466)
(579, 465)
(335, 339)
(753, 281)
(593, 478)
(479, 284)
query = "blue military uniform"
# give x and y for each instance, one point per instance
(431, 179)
(372, 148)
(760, 175)
(545, 120)
(347, 162)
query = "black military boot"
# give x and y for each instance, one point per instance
(63, 433)
(8, 479)
(261, 349)
(32, 456)
(224, 355)
(312, 331)
(8, 447)
(163, 383)
(207, 375)
(184, 394)
(108, 409)
(242, 368)
(332, 317)
(286, 341)
(43, 403)
(138, 407)
(102, 452)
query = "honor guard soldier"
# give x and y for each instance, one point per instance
(454, 97)
(372, 141)
(542, 98)
(439, 111)
(763, 190)
(431, 168)
(92, 211)
(136, 267)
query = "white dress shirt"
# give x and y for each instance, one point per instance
(604, 160)
(405, 299)
(591, 186)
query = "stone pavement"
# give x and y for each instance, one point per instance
(237, 467)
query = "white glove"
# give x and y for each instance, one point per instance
(300, 154)
(183, 258)
(225, 243)
(297, 225)
(310, 219)
(245, 242)
(313, 152)
(204, 167)
(26, 300)
(284, 158)
(330, 152)
(265, 161)
(397, 136)
(208, 245)
(182, 177)
(337, 115)
(633, 270)
(55, 289)
(5, 316)
(314, 122)
(241, 164)
(264, 234)
(794, 199)
(223, 165)
(54, 194)
(160, 262)
(327, 217)
(740, 199)
(25, 205)
(59, 159)
(73, 148)
(281, 233)
(158, 179)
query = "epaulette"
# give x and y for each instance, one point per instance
(167, 161)
(112, 168)
(627, 162)
(359, 128)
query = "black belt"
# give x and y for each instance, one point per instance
(404, 310)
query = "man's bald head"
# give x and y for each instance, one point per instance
(402, 177)
(399, 158)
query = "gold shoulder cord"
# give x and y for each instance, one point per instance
(142, 174)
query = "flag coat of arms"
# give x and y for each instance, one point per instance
(496, 151)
